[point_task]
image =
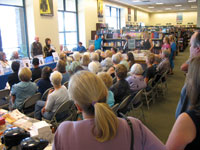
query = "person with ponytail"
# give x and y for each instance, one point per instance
(100, 129)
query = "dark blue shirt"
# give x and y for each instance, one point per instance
(81, 49)
(43, 85)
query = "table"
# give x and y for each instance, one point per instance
(4, 78)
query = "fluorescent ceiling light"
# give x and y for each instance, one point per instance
(159, 3)
(151, 7)
(167, 8)
(190, 1)
(182, 9)
(178, 5)
(136, 1)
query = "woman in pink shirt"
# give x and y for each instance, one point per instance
(166, 44)
(100, 129)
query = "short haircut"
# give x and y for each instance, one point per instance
(63, 57)
(85, 60)
(121, 71)
(77, 56)
(157, 59)
(78, 68)
(93, 67)
(137, 69)
(95, 56)
(166, 53)
(61, 66)
(108, 53)
(116, 59)
(25, 74)
(107, 79)
(46, 72)
(56, 78)
(15, 66)
(151, 58)
(35, 62)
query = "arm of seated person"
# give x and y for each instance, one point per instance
(146, 80)
(184, 67)
(49, 98)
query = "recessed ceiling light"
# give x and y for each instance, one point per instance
(151, 7)
(159, 3)
(190, 1)
(167, 8)
(178, 5)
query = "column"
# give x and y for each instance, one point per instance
(198, 13)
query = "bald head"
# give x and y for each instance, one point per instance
(91, 48)
(37, 39)
(15, 55)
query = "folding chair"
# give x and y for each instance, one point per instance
(66, 111)
(45, 94)
(29, 105)
(137, 104)
(66, 84)
(123, 105)
(149, 93)
(162, 84)
(36, 80)
(4, 98)
(115, 108)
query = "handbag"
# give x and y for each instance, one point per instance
(131, 128)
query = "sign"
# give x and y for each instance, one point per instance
(26, 62)
(179, 18)
(131, 44)
(55, 56)
(100, 8)
(41, 60)
(46, 7)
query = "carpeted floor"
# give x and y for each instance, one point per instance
(161, 115)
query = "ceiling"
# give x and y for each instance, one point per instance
(166, 6)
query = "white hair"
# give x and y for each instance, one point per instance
(56, 78)
(87, 53)
(94, 56)
(137, 69)
(116, 59)
(76, 56)
(93, 67)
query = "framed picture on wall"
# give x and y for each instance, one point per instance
(100, 8)
(46, 7)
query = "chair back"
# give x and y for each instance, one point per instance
(115, 108)
(4, 93)
(45, 94)
(150, 83)
(66, 84)
(31, 101)
(137, 98)
(124, 103)
(36, 80)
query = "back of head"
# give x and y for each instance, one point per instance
(116, 59)
(46, 72)
(85, 60)
(93, 67)
(25, 74)
(56, 78)
(151, 58)
(95, 56)
(166, 53)
(130, 56)
(91, 48)
(78, 68)
(137, 69)
(90, 93)
(63, 57)
(193, 83)
(108, 53)
(35, 62)
(77, 56)
(121, 71)
(61, 66)
(15, 66)
(157, 60)
(107, 79)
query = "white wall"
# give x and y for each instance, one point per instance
(42, 26)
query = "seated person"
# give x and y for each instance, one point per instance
(24, 89)
(3, 61)
(93, 67)
(107, 79)
(150, 71)
(13, 78)
(121, 88)
(156, 61)
(36, 72)
(55, 98)
(61, 67)
(91, 48)
(136, 80)
(15, 55)
(114, 50)
(164, 64)
(131, 59)
(80, 47)
(106, 64)
(89, 93)
(44, 83)
(85, 60)
(95, 58)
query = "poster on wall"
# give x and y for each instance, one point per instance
(135, 15)
(46, 7)
(129, 14)
(179, 18)
(100, 8)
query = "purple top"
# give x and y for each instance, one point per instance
(77, 135)
(165, 46)
(136, 82)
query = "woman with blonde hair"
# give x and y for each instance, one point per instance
(100, 129)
